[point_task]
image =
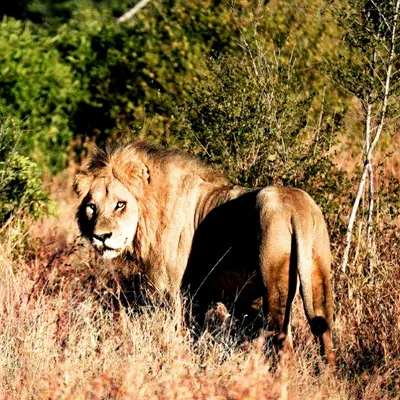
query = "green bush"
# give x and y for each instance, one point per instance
(38, 87)
(20, 179)
(252, 119)
(52, 13)
(91, 77)
(137, 71)
(85, 76)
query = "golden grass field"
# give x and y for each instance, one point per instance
(67, 333)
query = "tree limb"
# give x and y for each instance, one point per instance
(372, 145)
(129, 14)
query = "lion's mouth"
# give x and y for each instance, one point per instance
(106, 251)
(110, 253)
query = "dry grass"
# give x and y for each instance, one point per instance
(67, 332)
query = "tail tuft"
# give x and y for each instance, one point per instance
(319, 325)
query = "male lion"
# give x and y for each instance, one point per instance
(186, 225)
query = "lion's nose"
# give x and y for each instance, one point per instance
(103, 237)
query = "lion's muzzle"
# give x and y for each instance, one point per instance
(108, 245)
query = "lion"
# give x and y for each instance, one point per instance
(188, 227)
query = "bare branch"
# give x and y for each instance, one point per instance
(382, 15)
(128, 15)
(371, 147)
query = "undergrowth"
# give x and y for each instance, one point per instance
(74, 326)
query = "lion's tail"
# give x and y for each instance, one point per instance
(304, 236)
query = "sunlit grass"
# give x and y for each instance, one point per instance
(67, 332)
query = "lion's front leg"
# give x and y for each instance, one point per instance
(166, 284)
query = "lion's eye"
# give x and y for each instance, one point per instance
(120, 205)
(91, 207)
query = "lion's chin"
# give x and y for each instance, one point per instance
(108, 253)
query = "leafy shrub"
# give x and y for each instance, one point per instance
(92, 78)
(251, 118)
(139, 70)
(52, 13)
(20, 179)
(38, 87)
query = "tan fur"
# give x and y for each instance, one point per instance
(185, 224)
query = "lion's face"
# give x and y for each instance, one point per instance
(108, 216)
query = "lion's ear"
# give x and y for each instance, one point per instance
(137, 169)
(82, 182)
(145, 174)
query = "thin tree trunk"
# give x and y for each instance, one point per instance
(369, 151)
(371, 191)
(370, 260)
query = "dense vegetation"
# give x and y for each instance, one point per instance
(269, 92)
(21, 182)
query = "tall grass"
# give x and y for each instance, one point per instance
(67, 332)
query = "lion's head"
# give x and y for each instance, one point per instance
(136, 197)
(110, 189)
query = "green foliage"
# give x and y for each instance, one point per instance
(363, 62)
(55, 12)
(36, 86)
(139, 70)
(20, 179)
(304, 34)
(95, 78)
(251, 118)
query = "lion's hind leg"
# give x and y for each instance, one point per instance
(280, 281)
(321, 325)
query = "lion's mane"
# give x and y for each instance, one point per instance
(172, 175)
